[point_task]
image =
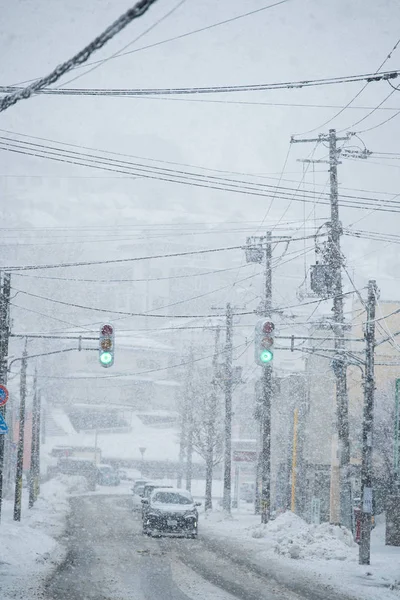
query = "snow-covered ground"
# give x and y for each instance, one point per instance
(321, 554)
(30, 549)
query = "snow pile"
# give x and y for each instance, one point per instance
(28, 549)
(292, 537)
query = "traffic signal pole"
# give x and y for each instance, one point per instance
(265, 454)
(366, 465)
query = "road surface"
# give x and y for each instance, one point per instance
(109, 559)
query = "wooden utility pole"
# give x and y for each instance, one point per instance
(266, 399)
(5, 289)
(227, 493)
(21, 437)
(334, 262)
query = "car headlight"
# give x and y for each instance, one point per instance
(154, 513)
(190, 514)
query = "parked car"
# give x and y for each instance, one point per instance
(170, 510)
(107, 475)
(137, 494)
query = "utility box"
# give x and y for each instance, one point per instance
(393, 520)
(322, 280)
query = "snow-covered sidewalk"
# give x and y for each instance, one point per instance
(29, 549)
(313, 557)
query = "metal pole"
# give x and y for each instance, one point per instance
(266, 392)
(226, 501)
(368, 417)
(338, 328)
(294, 460)
(5, 289)
(21, 433)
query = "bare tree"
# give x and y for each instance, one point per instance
(208, 437)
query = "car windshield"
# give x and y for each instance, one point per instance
(171, 498)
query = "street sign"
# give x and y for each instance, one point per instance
(247, 456)
(3, 425)
(3, 394)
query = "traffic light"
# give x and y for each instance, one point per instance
(264, 342)
(106, 345)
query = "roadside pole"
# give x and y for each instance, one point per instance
(21, 435)
(334, 262)
(266, 393)
(34, 475)
(212, 410)
(368, 417)
(190, 399)
(227, 493)
(294, 460)
(5, 288)
(32, 468)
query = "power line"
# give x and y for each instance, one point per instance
(22, 94)
(169, 162)
(348, 105)
(116, 260)
(257, 87)
(128, 313)
(181, 36)
(139, 37)
(118, 375)
(193, 179)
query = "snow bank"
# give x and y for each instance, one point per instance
(29, 549)
(292, 537)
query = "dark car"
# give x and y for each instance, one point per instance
(107, 475)
(171, 510)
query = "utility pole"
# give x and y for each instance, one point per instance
(257, 249)
(5, 289)
(212, 410)
(21, 435)
(366, 465)
(189, 399)
(35, 441)
(333, 279)
(227, 494)
(266, 392)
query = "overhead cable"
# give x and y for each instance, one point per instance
(24, 93)
(252, 87)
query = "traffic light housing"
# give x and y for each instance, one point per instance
(264, 342)
(106, 345)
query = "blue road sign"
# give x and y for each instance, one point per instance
(3, 425)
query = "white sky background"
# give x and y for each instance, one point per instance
(297, 40)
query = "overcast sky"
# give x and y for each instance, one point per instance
(297, 40)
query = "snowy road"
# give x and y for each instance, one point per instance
(110, 559)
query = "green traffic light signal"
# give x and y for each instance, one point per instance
(266, 356)
(106, 358)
